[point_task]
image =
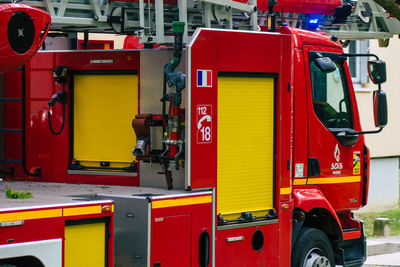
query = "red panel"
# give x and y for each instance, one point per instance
(325, 7)
(43, 149)
(33, 230)
(241, 253)
(304, 37)
(239, 52)
(301, 111)
(284, 119)
(200, 220)
(132, 42)
(96, 44)
(285, 233)
(81, 60)
(172, 236)
(204, 154)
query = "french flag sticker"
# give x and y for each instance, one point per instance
(204, 78)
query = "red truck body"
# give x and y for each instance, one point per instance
(310, 179)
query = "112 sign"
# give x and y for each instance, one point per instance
(204, 124)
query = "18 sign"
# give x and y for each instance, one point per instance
(204, 124)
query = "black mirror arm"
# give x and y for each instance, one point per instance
(361, 55)
(344, 133)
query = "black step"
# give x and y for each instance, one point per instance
(10, 161)
(4, 130)
(11, 99)
(347, 230)
(353, 262)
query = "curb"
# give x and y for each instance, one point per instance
(385, 245)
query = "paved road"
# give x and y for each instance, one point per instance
(377, 247)
(383, 260)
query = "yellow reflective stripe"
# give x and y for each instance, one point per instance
(82, 210)
(30, 215)
(334, 180)
(286, 190)
(181, 202)
(299, 181)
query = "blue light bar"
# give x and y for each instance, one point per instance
(313, 21)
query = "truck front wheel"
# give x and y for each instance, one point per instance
(312, 249)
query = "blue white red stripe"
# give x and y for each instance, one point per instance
(204, 78)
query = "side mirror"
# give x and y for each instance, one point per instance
(380, 108)
(325, 64)
(377, 71)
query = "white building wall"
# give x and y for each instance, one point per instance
(385, 146)
(384, 185)
(387, 142)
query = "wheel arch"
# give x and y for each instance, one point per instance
(316, 212)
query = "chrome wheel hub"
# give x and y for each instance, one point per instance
(316, 258)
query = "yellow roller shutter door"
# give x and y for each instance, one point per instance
(245, 146)
(104, 106)
(85, 245)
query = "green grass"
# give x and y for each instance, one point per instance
(393, 216)
(368, 218)
(18, 195)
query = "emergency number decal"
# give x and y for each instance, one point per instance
(356, 163)
(204, 124)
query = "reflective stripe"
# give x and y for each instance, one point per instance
(181, 202)
(50, 213)
(29, 215)
(334, 180)
(82, 210)
(286, 190)
(299, 181)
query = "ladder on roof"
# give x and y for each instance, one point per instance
(392, 6)
(21, 132)
(369, 20)
(151, 20)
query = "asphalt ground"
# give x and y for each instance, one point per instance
(383, 251)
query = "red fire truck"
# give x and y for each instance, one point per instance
(245, 149)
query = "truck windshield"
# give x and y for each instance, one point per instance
(330, 97)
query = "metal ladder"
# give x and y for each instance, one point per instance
(150, 20)
(21, 131)
(368, 20)
(392, 6)
(8, 130)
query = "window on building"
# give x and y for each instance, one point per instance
(358, 65)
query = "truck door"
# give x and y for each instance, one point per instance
(333, 164)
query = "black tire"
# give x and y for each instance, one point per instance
(312, 248)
